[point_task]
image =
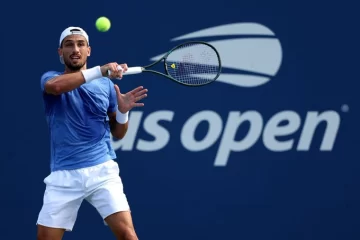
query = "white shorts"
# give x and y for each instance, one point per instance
(65, 190)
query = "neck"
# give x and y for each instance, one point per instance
(68, 70)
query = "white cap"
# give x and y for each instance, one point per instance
(69, 31)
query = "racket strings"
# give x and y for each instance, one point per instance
(193, 64)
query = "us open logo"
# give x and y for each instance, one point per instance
(251, 54)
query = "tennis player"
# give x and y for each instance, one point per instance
(82, 108)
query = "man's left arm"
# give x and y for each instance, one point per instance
(118, 122)
(119, 107)
(118, 130)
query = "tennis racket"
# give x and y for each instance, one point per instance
(193, 63)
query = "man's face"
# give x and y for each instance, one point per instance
(74, 50)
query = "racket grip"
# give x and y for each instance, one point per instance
(131, 70)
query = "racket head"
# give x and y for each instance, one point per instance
(193, 63)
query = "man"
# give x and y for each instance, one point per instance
(82, 108)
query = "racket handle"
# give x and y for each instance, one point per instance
(131, 70)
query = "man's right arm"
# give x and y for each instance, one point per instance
(64, 83)
(70, 81)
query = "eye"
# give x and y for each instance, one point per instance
(68, 44)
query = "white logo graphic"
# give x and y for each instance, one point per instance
(249, 47)
(261, 59)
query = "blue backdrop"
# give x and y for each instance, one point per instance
(266, 154)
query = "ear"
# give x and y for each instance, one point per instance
(60, 52)
(89, 51)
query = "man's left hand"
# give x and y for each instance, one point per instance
(130, 99)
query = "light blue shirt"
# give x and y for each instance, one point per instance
(78, 123)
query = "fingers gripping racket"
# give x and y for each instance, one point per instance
(192, 63)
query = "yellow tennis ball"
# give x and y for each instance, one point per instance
(103, 24)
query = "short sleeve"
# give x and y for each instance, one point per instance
(46, 77)
(112, 98)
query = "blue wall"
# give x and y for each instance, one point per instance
(266, 154)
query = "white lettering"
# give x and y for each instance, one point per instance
(276, 132)
(273, 130)
(152, 126)
(313, 119)
(228, 143)
(187, 134)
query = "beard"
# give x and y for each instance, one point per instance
(73, 67)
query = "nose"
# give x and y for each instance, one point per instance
(76, 49)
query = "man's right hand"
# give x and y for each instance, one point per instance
(115, 72)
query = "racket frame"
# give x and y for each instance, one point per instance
(167, 75)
